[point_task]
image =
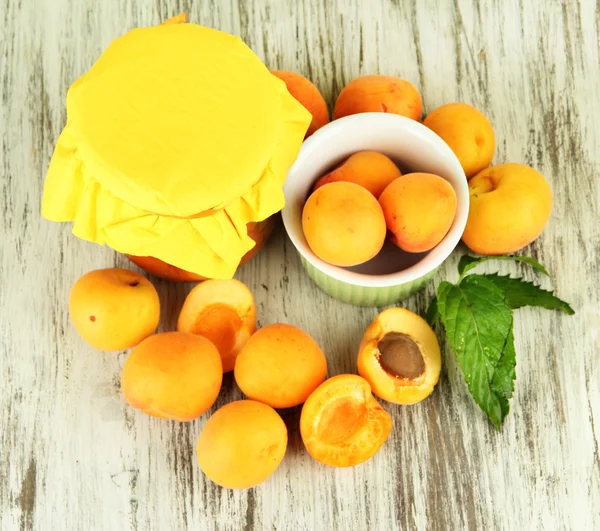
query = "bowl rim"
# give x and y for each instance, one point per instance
(435, 257)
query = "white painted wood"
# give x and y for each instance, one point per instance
(74, 457)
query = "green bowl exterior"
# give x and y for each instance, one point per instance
(365, 295)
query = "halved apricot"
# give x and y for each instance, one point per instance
(400, 357)
(342, 424)
(222, 311)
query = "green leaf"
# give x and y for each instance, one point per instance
(503, 381)
(478, 322)
(432, 313)
(468, 262)
(519, 293)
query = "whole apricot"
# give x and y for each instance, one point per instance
(242, 444)
(173, 376)
(222, 311)
(342, 424)
(343, 224)
(114, 309)
(379, 94)
(280, 365)
(510, 205)
(400, 357)
(468, 133)
(419, 209)
(369, 169)
(308, 95)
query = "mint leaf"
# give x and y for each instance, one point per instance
(519, 293)
(503, 381)
(478, 322)
(468, 262)
(433, 314)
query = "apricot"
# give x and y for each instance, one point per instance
(259, 231)
(379, 94)
(343, 224)
(419, 209)
(308, 95)
(242, 444)
(510, 205)
(222, 311)
(280, 365)
(400, 357)
(342, 424)
(114, 309)
(369, 169)
(172, 375)
(468, 133)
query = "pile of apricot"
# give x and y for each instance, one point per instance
(177, 375)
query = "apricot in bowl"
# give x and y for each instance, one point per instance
(280, 365)
(370, 169)
(343, 224)
(399, 356)
(173, 376)
(419, 209)
(242, 444)
(222, 311)
(341, 424)
(114, 309)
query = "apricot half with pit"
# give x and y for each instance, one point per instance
(280, 365)
(222, 311)
(242, 444)
(341, 422)
(400, 357)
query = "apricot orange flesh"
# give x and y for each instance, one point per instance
(173, 375)
(222, 311)
(342, 424)
(242, 444)
(400, 357)
(280, 365)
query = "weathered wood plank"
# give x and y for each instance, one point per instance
(73, 456)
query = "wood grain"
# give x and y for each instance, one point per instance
(73, 456)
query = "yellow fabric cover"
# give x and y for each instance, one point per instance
(175, 139)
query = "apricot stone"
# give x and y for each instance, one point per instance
(222, 311)
(378, 93)
(342, 424)
(419, 209)
(173, 376)
(468, 133)
(510, 205)
(280, 365)
(343, 224)
(242, 444)
(308, 95)
(114, 309)
(369, 169)
(400, 357)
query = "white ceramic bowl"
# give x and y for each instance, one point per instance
(393, 275)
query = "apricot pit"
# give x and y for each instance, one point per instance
(400, 357)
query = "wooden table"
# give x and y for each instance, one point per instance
(73, 456)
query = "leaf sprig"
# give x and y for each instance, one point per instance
(477, 315)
